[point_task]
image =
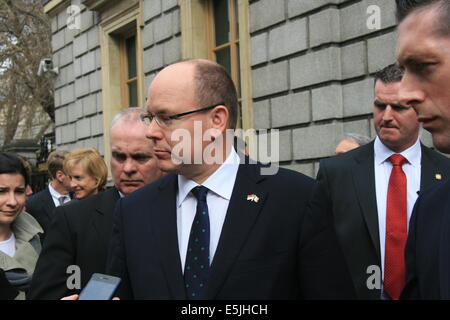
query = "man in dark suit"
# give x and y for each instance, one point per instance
(214, 228)
(354, 235)
(80, 232)
(423, 51)
(42, 204)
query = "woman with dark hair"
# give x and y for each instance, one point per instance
(19, 240)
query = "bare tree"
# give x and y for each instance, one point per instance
(25, 39)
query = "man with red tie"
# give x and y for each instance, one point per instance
(355, 232)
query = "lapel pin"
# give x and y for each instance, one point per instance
(252, 197)
(438, 176)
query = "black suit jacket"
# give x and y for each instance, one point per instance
(256, 257)
(40, 205)
(428, 246)
(341, 236)
(79, 235)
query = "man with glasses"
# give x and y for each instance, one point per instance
(209, 229)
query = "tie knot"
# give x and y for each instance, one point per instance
(397, 160)
(200, 193)
(61, 200)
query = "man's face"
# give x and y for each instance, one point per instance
(64, 180)
(396, 125)
(425, 56)
(133, 164)
(173, 92)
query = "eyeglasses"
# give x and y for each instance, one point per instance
(166, 121)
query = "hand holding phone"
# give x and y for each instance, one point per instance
(100, 287)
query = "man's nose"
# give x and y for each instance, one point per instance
(410, 92)
(387, 114)
(153, 131)
(129, 166)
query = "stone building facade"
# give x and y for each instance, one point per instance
(304, 66)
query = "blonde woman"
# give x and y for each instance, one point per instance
(87, 171)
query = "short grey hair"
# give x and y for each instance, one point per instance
(358, 138)
(128, 115)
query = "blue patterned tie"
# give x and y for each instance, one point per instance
(196, 269)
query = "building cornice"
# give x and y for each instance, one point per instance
(98, 5)
(53, 7)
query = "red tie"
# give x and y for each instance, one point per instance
(396, 229)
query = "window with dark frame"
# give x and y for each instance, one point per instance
(129, 75)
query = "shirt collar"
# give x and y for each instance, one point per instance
(221, 182)
(413, 154)
(55, 194)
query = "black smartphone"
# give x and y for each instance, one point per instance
(100, 287)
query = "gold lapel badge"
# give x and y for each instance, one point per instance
(438, 176)
(252, 197)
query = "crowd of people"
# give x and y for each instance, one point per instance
(375, 224)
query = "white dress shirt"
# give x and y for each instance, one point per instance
(383, 168)
(56, 195)
(9, 246)
(220, 186)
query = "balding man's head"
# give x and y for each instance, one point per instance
(210, 82)
(187, 98)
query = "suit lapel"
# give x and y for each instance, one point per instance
(164, 217)
(102, 220)
(240, 218)
(364, 178)
(48, 205)
(429, 170)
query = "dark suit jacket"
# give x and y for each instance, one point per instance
(256, 257)
(40, 205)
(341, 236)
(428, 246)
(79, 235)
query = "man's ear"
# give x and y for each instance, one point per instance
(219, 118)
(59, 175)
